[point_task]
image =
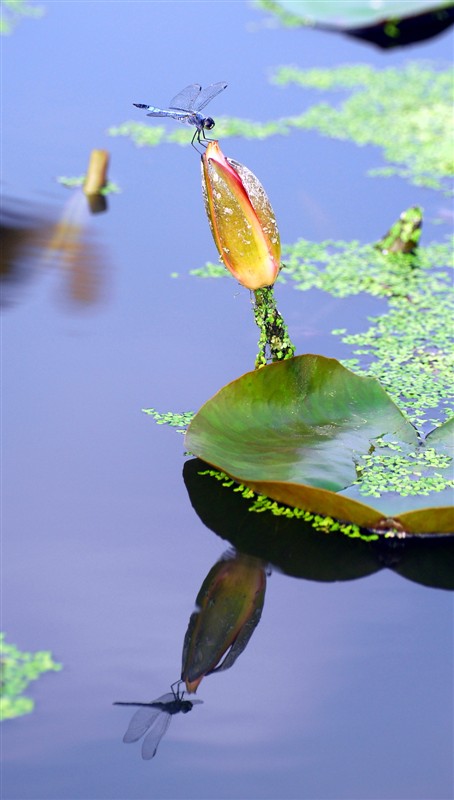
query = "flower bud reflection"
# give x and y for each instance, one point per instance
(229, 606)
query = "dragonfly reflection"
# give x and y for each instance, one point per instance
(186, 107)
(155, 718)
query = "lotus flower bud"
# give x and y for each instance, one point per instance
(241, 219)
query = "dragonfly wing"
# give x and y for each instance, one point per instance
(152, 739)
(140, 723)
(186, 99)
(157, 112)
(165, 698)
(207, 94)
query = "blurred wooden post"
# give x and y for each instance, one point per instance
(96, 179)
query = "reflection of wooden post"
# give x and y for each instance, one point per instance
(96, 179)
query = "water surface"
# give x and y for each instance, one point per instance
(345, 690)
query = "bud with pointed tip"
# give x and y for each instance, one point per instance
(229, 606)
(241, 219)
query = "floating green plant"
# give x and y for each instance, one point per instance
(409, 347)
(315, 425)
(301, 431)
(282, 449)
(408, 471)
(12, 11)
(142, 135)
(174, 419)
(18, 669)
(260, 504)
(406, 111)
(76, 182)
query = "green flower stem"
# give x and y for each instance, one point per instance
(274, 342)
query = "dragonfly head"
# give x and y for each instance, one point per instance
(208, 123)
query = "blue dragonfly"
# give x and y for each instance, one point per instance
(186, 107)
(155, 718)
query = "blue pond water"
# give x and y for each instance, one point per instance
(346, 688)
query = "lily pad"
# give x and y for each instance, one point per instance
(298, 431)
(443, 437)
(384, 23)
(352, 13)
(297, 548)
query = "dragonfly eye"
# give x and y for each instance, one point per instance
(208, 123)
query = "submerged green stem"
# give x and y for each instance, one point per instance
(274, 342)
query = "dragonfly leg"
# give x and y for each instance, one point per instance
(178, 683)
(196, 136)
(206, 139)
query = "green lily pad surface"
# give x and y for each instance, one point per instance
(351, 13)
(301, 432)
